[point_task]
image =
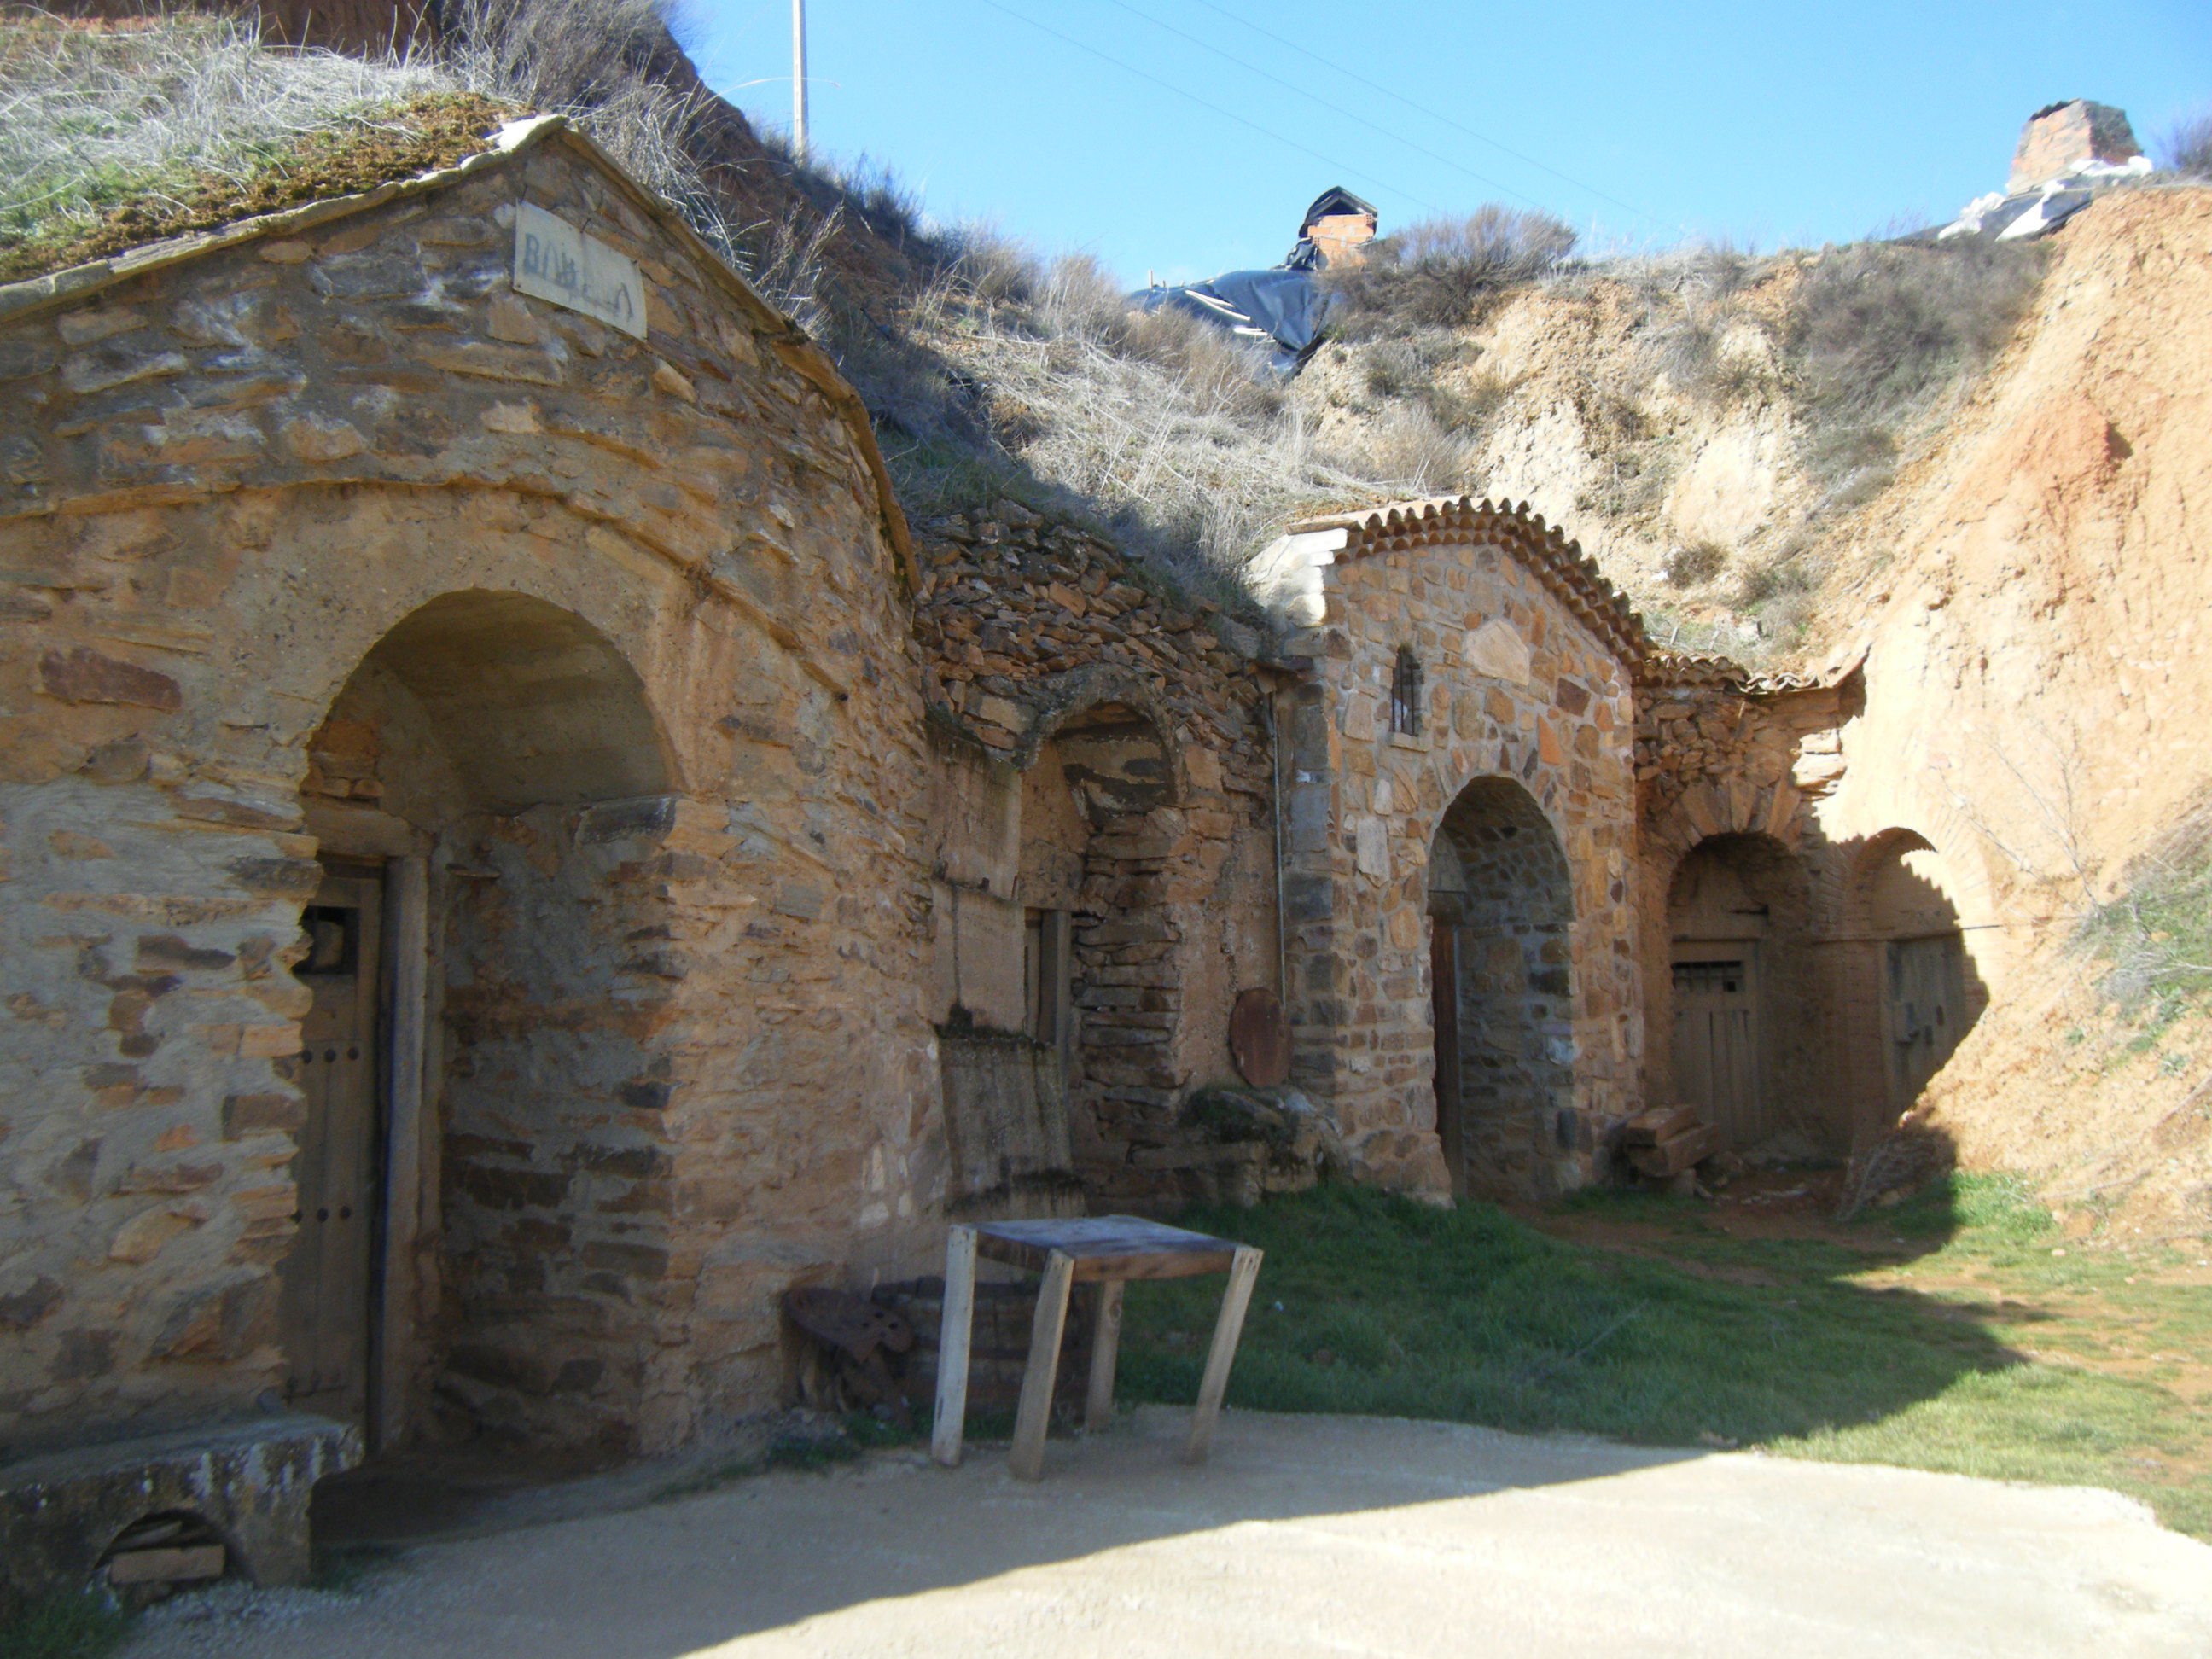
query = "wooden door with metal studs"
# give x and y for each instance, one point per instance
(327, 1300)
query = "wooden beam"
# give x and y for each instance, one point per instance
(1105, 1349)
(1034, 1415)
(1227, 1328)
(955, 1325)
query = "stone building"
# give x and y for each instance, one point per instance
(1461, 822)
(512, 864)
(465, 766)
(1810, 961)
(515, 856)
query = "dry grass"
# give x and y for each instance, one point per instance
(2156, 934)
(150, 118)
(1878, 329)
(1157, 427)
(1442, 273)
(2187, 148)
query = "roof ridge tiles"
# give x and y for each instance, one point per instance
(1543, 548)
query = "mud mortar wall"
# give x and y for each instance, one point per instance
(1518, 689)
(1033, 628)
(230, 478)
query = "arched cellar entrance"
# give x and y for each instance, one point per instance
(483, 1188)
(1500, 906)
(1745, 1010)
(1100, 980)
(1924, 993)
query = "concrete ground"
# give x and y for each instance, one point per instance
(1305, 1536)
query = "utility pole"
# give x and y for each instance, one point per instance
(798, 82)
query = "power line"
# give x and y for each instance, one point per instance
(1395, 137)
(1434, 115)
(1227, 114)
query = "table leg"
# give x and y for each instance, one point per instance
(1105, 1348)
(1218, 1358)
(1034, 1411)
(954, 1331)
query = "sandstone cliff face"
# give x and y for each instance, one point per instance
(2031, 602)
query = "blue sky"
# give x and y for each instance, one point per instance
(1771, 124)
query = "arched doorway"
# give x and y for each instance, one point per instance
(1744, 1007)
(1099, 975)
(1501, 904)
(1925, 987)
(479, 1058)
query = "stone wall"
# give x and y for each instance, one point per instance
(677, 1055)
(1128, 731)
(1739, 776)
(1526, 664)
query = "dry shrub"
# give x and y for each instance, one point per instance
(1442, 273)
(1694, 565)
(2186, 147)
(2157, 933)
(1876, 328)
(1407, 448)
(1692, 297)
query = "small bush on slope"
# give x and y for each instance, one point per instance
(1441, 273)
(2187, 149)
(1876, 327)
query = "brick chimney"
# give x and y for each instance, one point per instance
(2062, 136)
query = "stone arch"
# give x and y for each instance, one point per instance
(1501, 909)
(484, 959)
(1745, 1013)
(536, 706)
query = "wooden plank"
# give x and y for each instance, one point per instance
(1673, 1157)
(955, 1330)
(1119, 1247)
(1227, 1328)
(1649, 1128)
(1034, 1415)
(1105, 1349)
(170, 1566)
(406, 939)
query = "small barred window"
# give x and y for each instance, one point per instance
(1406, 694)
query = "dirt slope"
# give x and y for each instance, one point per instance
(2033, 600)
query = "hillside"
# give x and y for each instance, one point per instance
(1978, 472)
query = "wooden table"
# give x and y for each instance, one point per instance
(1107, 1251)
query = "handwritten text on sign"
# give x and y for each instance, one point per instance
(554, 260)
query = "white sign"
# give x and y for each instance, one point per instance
(554, 261)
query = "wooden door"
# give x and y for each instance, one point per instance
(326, 1306)
(1926, 1005)
(1716, 1040)
(1443, 992)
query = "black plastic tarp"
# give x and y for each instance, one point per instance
(1281, 310)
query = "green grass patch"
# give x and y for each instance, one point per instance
(1375, 1304)
(82, 1626)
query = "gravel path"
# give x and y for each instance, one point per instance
(1305, 1536)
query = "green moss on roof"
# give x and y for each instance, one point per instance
(360, 152)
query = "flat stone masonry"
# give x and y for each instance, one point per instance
(1527, 658)
(318, 539)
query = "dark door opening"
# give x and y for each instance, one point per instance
(1444, 990)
